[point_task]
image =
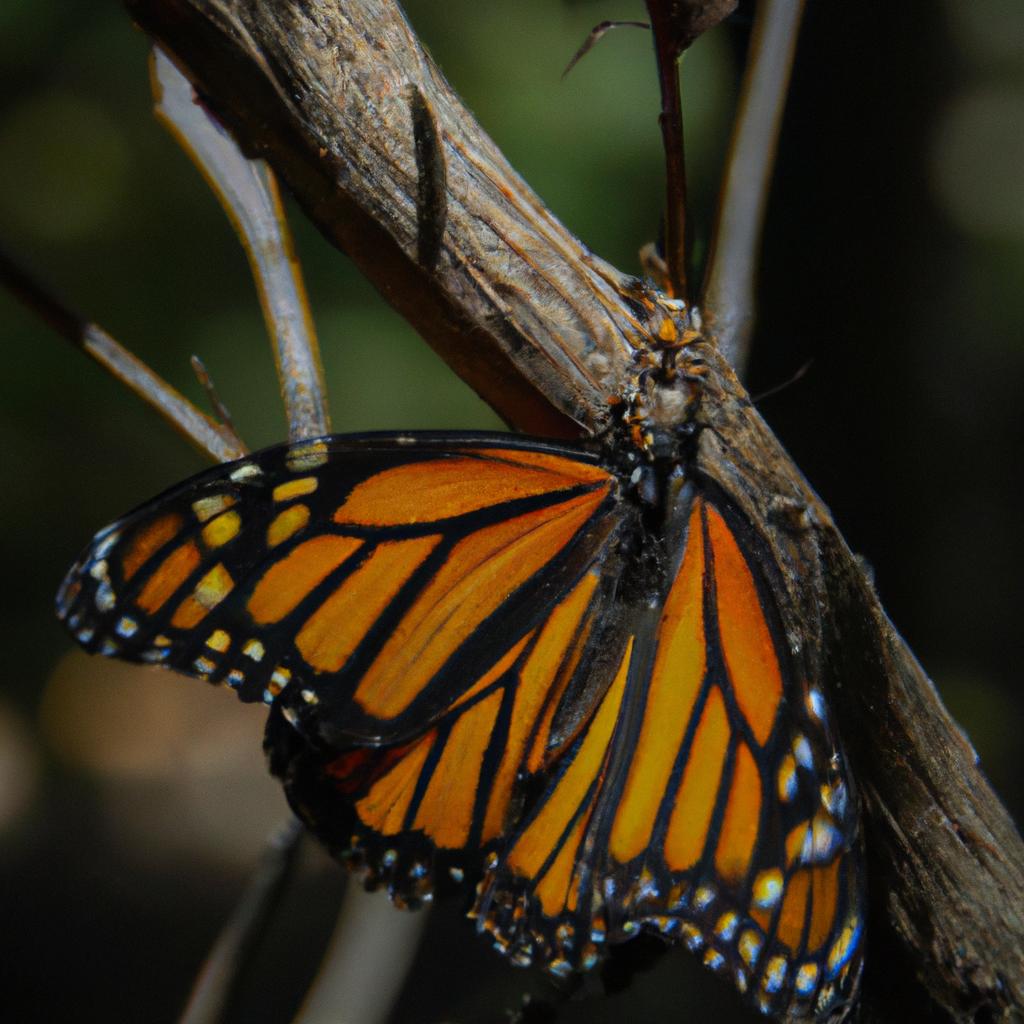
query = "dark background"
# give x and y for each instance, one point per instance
(132, 808)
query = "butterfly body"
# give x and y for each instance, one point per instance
(587, 677)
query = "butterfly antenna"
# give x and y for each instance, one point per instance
(218, 441)
(789, 381)
(596, 34)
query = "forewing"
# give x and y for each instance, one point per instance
(362, 584)
(706, 800)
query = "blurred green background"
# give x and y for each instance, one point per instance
(131, 810)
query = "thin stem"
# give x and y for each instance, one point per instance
(220, 410)
(369, 956)
(215, 440)
(232, 951)
(728, 302)
(671, 121)
(595, 35)
(248, 192)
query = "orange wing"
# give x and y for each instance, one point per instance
(418, 813)
(415, 605)
(478, 661)
(359, 583)
(706, 801)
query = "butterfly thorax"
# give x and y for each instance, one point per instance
(657, 414)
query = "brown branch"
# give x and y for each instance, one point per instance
(945, 859)
(945, 863)
(670, 120)
(546, 332)
(675, 24)
(518, 306)
(248, 192)
(217, 441)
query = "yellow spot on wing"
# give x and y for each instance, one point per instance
(749, 946)
(219, 640)
(222, 529)
(246, 471)
(675, 681)
(254, 649)
(767, 889)
(214, 587)
(787, 781)
(286, 524)
(206, 508)
(303, 457)
(295, 488)
(841, 947)
(209, 592)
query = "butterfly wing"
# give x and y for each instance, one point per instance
(461, 679)
(413, 607)
(706, 801)
(362, 581)
(417, 814)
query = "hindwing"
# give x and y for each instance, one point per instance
(707, 801)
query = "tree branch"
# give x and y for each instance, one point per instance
(217, 441)
(518, 306)
(248, 192)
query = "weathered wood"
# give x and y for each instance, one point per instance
(546, 332)
(518, 306)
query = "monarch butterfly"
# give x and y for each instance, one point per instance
(588, 678)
